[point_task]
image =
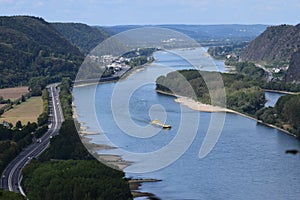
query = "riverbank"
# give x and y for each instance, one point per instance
(198, 106)
(281, 92)
(195, 105)
(134, 185)
(114, 161)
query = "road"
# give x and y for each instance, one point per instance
(268, 71)
(12, 175)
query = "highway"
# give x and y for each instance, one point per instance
(12, 175)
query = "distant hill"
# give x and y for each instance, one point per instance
(204, 33)
(31, 47)
(278, 46)
(81, 35)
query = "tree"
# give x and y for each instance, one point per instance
(6, 195)
(23, 98)
(19, 125)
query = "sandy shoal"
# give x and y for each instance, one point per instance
(196, 105)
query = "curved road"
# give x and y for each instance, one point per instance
(12, 175)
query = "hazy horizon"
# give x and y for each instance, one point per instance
(157, 12)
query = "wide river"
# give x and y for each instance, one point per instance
(248, 161)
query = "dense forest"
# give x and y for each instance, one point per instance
(81, 35)
(6, 195)
(66, 170)
(31, 47)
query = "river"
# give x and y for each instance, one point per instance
(248, 161)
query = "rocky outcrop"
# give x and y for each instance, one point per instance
(293, 73)
(276, 44)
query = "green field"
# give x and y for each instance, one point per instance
(25, 112)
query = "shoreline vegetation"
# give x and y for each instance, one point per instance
(198, 106)
(111, 160)
(134, 185)
(244, 96)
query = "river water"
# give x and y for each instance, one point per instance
(272, 98)
(248, 161)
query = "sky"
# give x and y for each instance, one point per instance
(121, 12)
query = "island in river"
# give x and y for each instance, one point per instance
(243, 95)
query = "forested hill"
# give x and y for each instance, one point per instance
(81, 35)
(276, 44)
(31, 47)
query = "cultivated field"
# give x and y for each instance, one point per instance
(13, 93)
(27, 111)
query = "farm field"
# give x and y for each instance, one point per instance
(27, 111)
(13, 93)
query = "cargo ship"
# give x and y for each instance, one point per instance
(158, 123)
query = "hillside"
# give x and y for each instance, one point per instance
(275, 45)
(278, 46)
(293, 73)
(81, 35)
(31, 47)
